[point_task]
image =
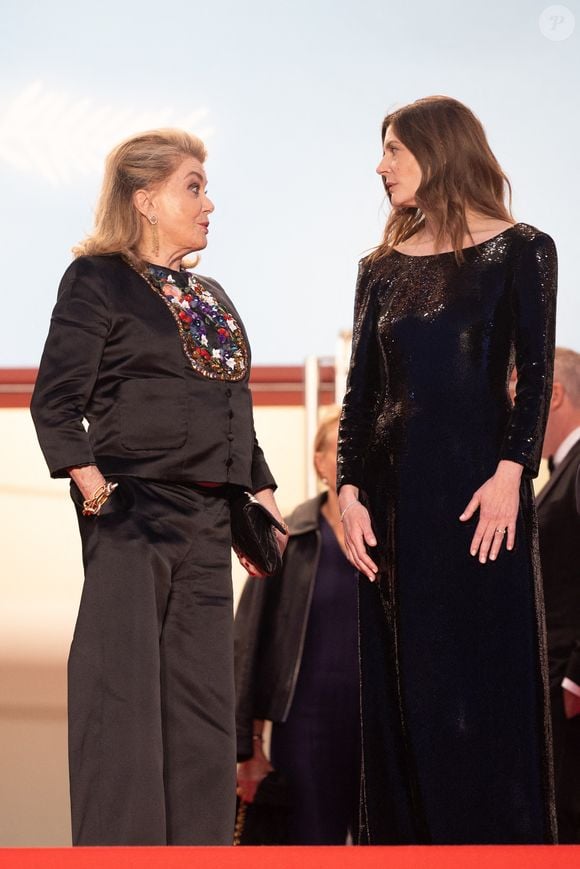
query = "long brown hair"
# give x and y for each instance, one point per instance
(458, 172)
(140, 162)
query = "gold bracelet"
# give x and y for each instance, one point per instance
(92, 505)
(257, 737)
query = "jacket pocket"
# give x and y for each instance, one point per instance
(153, 414)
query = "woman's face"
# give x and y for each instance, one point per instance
(400, 170)
(182, 207)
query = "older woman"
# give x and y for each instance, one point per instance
(435, 471)
(157, 361)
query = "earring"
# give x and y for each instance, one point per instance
(154, 235)
(325, 481)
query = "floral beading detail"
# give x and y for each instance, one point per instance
(212, 339)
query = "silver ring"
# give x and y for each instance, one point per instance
(500, 530)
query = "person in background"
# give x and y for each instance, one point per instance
(296, 664)
(559, 530)
(157, 360)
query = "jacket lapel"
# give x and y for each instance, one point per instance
(560, 470)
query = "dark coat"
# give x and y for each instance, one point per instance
(559, 529)
(270, 628)
(114, 357)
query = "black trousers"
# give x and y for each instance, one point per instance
(152, 751)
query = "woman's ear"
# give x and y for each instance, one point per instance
(317, 464)
(558, 393)
(142, 202)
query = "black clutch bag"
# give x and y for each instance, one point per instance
(253, 533)
(265, 821)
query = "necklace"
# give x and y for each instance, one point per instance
(212, 339)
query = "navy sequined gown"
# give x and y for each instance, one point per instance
(456, 738)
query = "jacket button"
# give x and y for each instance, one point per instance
(228, 393)
(229, 463)
(230, 437)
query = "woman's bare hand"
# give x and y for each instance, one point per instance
(571, 704)
(248, 566)
(498, 502)
(358, 532)
(267, 499)
(251, 773)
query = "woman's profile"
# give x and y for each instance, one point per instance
(157, 360)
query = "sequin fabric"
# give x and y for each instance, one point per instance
(456, 729)
(212, 338)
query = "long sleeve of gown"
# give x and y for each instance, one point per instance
(363, 386)
(69, 367)
(534, 299)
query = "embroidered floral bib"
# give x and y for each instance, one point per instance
(212, 338)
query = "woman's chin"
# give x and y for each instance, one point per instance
(200, 244)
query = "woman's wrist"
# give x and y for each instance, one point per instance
(92, 505)
(347, 508)
(347, 496)
(267, 499)
(507, 468)
(88, 478)
(258, 747)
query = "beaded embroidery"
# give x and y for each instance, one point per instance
(212, 339)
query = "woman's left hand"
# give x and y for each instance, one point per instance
(281, 539)
(266, 497)
(249, 567)
(571, 704)
(498, 501)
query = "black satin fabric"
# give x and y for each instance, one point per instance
(455, 715)
(114, 356)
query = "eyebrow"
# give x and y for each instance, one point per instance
(196, 175)
(391, 142)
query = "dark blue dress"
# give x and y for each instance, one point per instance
(317, 748)
(455, 711)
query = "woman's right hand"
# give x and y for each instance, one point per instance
(251, 773)
(88, 478)
(358, 532)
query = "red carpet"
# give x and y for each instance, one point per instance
(467, 857)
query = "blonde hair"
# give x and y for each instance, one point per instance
(458, 171)
(139, 162)
(329, 421)
(567, 372)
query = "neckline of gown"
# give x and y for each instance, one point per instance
(448, 252)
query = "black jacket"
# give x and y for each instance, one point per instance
(114, 357)
(270, 628)
(559, 532)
